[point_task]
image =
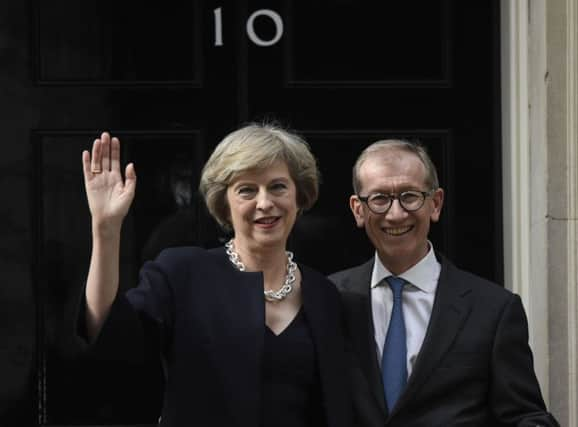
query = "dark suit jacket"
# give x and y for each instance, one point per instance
(474, 368)
(207, 320)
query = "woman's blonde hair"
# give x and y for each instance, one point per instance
(256, 147)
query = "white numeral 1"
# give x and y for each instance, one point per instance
(218, 27)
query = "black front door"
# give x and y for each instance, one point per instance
(171, 79)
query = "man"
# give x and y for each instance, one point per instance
(431, 345)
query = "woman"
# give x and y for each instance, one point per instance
(247, 336)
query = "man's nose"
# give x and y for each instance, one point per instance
(396, 211)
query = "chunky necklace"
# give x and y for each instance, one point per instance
(273, 296)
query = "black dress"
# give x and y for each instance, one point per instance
(291, 386)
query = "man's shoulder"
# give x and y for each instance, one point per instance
(456, 277)
(350, 278)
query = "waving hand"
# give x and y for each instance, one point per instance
(109, 196)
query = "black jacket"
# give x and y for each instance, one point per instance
(206, 320)
(474, 368)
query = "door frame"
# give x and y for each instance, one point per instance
(524, 174)
(539, 60)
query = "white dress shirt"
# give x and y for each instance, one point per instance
(417, 302)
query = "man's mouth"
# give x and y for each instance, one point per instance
(398, 231)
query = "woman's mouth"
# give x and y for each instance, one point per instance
(268, 221)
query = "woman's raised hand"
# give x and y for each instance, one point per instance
(109, 195)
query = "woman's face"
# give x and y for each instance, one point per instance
(263, 207)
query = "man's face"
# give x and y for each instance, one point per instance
(400, 237)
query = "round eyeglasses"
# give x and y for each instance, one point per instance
(410, 201)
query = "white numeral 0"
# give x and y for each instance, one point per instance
(278, 27)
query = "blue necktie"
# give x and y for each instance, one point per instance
(394, 359)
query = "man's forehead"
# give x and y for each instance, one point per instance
(393, 168)
(392, 158)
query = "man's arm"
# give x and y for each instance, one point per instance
(515, 396)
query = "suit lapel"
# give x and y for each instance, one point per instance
(361, 330)
(450, 310)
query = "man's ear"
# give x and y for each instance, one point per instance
(357, 210)
(438, 202)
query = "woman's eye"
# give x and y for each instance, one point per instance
(245, 191)
(279, 186)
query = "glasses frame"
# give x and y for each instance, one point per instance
(393, 196)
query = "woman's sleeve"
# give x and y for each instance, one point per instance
(138, 326)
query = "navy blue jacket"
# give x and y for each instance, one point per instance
(206, 320)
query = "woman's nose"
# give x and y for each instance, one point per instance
(264, 200)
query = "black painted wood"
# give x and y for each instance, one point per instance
(344, 74)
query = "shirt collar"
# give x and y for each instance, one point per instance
(424, 275)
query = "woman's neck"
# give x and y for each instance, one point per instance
(272, 261)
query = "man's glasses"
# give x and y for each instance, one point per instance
(410, 201)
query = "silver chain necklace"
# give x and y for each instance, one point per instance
(273, 296)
